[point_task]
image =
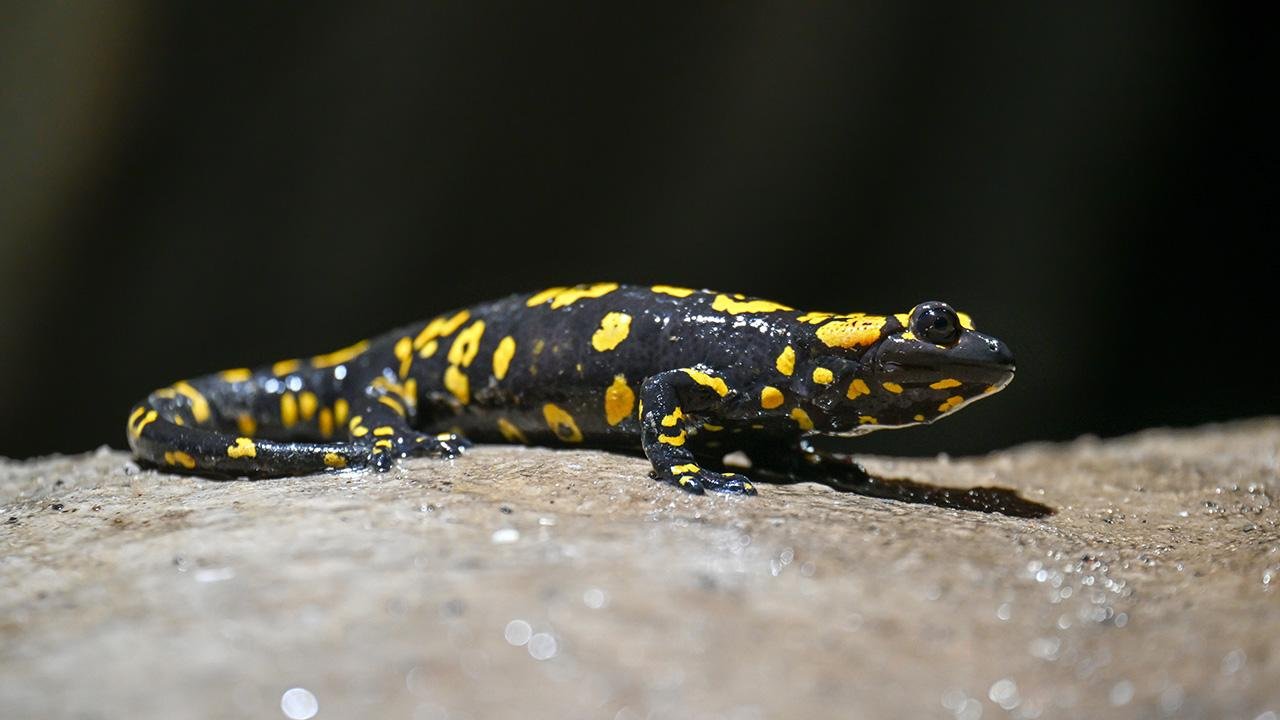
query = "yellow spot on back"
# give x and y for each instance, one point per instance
(945, 383)
(673, 418)
(502, 356)
(852, 331)
(199, 406)
(562, 296)
(288, 409)
(429, 349)
(383, 444)
(802, 419)
(619, 398)
(456, 382)
(892, 387)
(467, 344)
(307, 404)
(243, 448)
(404, 351)
(823, 376)
(714, 383)
(674, 440)
(438, 328)
(786, 362)
(392, 403)
(672, 290)
(340, 409)
(511, 432)
(919, 418)
(337, 357)
(686, 468)
(246, 424)
(614, 328)
(561, 423)
(856, 388)
(334, 460)
(950, 403)
(284, 367)
(726, 303)
(771, 397)
(325, 422)
(236, 375)
(177, 457)
(384, 431)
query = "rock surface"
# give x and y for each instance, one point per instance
(521, 582)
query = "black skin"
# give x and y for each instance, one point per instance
(671, 343)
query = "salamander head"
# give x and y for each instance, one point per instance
(925, 365)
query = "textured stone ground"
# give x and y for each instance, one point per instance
(563, 584)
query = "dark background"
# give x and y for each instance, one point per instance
(185, 188)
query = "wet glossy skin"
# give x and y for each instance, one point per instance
(686, 376)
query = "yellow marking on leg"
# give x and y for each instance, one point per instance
(177, 457)
(802, 419)
(243, 448)
(614, 328)
(456, 382)
(562, 296)
(945, 383)
(199, 405)
(288, 409)
(146, 420)
(673, 418)
(404, 352)
(786, 362)
(392, 403)
(856, 388)
(714, 383)
(771, 397)
(619, 398)
(438, 328)
(867, 420)
(410, 393)
(429, 349)
(919, 418)
(334, 460)
(236, 375)
(340, 408)
(246, 424)
(851, 332)
(823, 376)
(307, 404)
(686, 480)
(990, 389)
(357, 430)
(179, 421)
(687, 468)
(325, 422)
(740, 305)
(511, 432)
(673, 290)
(561, 423)
(284, 367)
(892, 387)
(502, 356)
(674, 440)
(383, 444)
(337, 357)
(950, 403)
(384, 431)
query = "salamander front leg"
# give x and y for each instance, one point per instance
(670, 403)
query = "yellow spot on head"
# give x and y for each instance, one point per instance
(673, 418)
(856, 388)
(908, 335)
(337, 357)
(990, 389)
(675, 440)
(467, 344)
(725, 303)
(562, 296)
(714, 383)
(179, 420)
(802, 419)
(199, 405)
(823, 376)
(384, 431)
(284, 367)
(851, 332)
(148, 417)
(786, 362)
(334, 460)
(177, 457)
(945, 383)
(950, 403)
(866, 420)
(236, 375)
(614, 328)
(966, 322)
(307, 404)
(325, 422)
(511, 432)
(619, 398)
(456, 382)
(687, 468)
(892, 387)
(770, 397)
(244, 448)
(502, 356)
(288, 409)
(246, 424)
(672, 290)
(561, 423)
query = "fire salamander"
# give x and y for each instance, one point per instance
(685, 375)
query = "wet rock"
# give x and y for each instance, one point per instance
(521, 582)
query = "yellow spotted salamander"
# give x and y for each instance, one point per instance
(685, 375)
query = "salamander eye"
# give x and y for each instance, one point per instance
(937, 323)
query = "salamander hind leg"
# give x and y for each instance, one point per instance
(383, 429)
(670, 403)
